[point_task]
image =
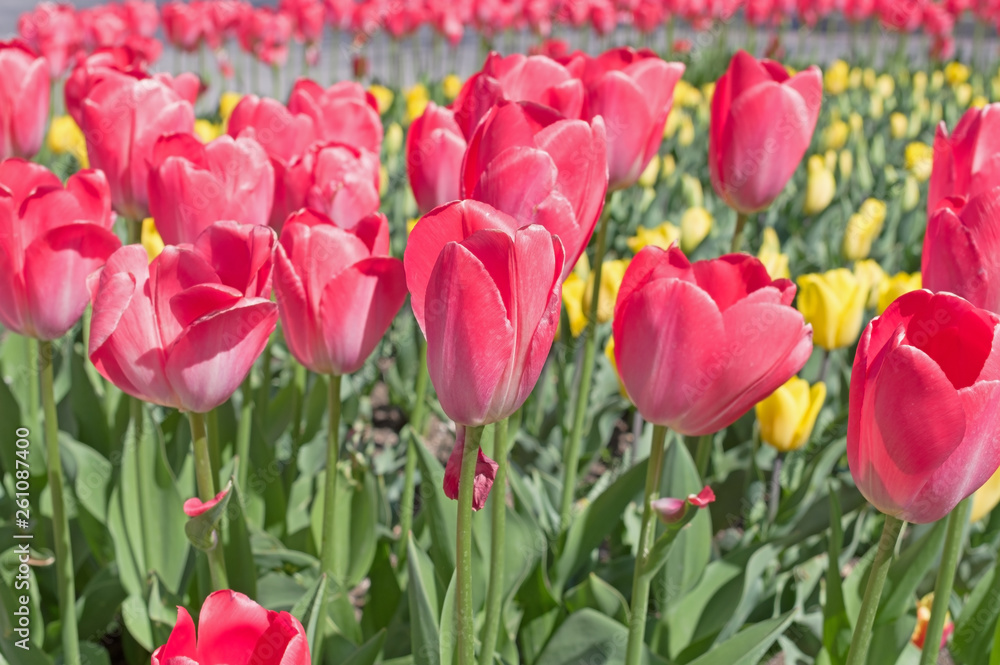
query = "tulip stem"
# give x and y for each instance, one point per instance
(571, 453)
(264, 389)
(243, 432)
(328, 563)
(35, 365)
(206, 492)
(774, 500)
(494, 592)
(413, 440)
(946, 577)
(60, 521)
(858, 655)
(741, 221)
(463, 548)
(640, 578)
(703, 454)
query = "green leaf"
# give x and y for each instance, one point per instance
(449, 625)
(355, 537)
(240, 563)
(692, 547)
(588, 637)
(424, 639)
(368, 652)
(598, 595)
(438, 516)
(307, 611)
(834, 613)
(749, 645)
(201, 529)
(33, 655)
(908, 571)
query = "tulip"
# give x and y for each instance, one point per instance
(192, 185)
(540, 168)
(739, 340)
(65, 137)
(51, 29)
(185, 25)
(633, 91)
(919, 160)
(572, 297)
(960, 251)
(122, 120)
(51, 239)
(343, 113)
(696, 224)
(184, 330)
(151, 239)
(234, 629)
(966, 162)
(338, 290)
(834, 303)
(924, 606)
(936, 355)
(771, 256)
(892, 288)
(336, 179)
(662, 236)
(671, 510)
(435, 148)
(612, 274)
(820, 186)
(762, 122)
(788, 415)
(862, 229)
(986, 498)
(24, 100)
(835, 78)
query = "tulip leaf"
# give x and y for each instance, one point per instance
(437, 512)
(11, 653)
(99, 602)
(355, 538)
(307, 611)
(586, 636)
(973, 638)
(202, 529)
(240, 565)
(424, 635)
(598, 595)
(748, 646)
(367, 653)
(448, 626)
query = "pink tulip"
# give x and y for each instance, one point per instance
(697, 345)
(122, 120)
(633, 91)
(540, 168)
(857, 11)
(51, 239)
(338, 291)
(339, 180)
(24, 100)
(762, 123)
(486, 472)
(184, 330)
(345, 113)
(435, 148)
(308, 17)
(966, 162)
(185, 24)
(192, 185)
(235, 630)
(51, 30)
(265, 32)
(517, 78)
(923, 420)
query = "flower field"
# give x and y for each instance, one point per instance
(521, 332)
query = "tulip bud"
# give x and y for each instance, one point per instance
(150, 239)
(820, 186)
(898, 125)
(937, 80)
(876, 107)
(451, 86)
(572, 297)
(854, 80)
(869, 77)
(672, 511)
(885, 86)
(963, 94)
(871, 276)
(845, 162)
(694, 197)
(662, 236)
(835, 78)
(919, 160)
(895, 286)
(986, 498)
(383, 97)
(834, 303)
(393, 139)
(924, 607)
(835, 135)
(770, 255)
(911, 193)
(696, 223)
(650, 173)
(788, 415)
(862, 229)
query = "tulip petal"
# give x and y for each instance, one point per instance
(486, 471)
(285, 636)
(298, 322)
(731, 278)
(182, 641)
(653, 263)
(230, 627)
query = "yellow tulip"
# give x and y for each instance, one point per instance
(871, 276)
(978, 102)
(862, 229)
(451, 86)
(770, 255)
(986, 498)
(854, 79)
(694, 195)
(963, 94)
(416, 101)
(845, 161)
(869, 77)
(685, 136)
(911, 193)
(206, 131)
(662, 236)
(673, 122)
(612, 273)
(893, 287)
(788, 415)
(609, 353)
(876, 107)
(64, 136)
(686, 95)
(708, 91)
(696, 223)
(820, 186)
(393, 141)
(937, 80)
(885, 86)
(572, 297)
(383, 97)
(649, 175)
(835, 79)
(667, 165)
(835, 135)
(834, 303)
(920, 82)
(856, 123)
(150, 239)
(918, 159)
(228, 102)
(898, 125)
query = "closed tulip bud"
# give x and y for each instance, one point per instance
(963, 94)
(854, 79)
(911, 193)
(612, 273)
(834, 303)
(835, 78)
(986, 498)
(651, 173)
(383, 97)
(899, 125)
(393, 139)
(573, 290)
(869, 77)
(762, 124)
(775, 262)
(835, 135)
(52, 237)
(845, 162)
(788, 415)
(662, 236)
(234, 629)
(919, 159)
(920, 82)
(820, 187)
(451, 85)
(893, 287)
(338, 180)
(923, 421)
(65, 137)
(856, 123)
(937, 80)
(672, 317)
(871, 275)
(344, 113)
(876, 107)
(668, 165)
(924, 607)
(151, 239)
(862, 229)
(672, 511)
(24, 100)
(696, 224)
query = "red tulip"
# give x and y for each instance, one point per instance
(102, 26)
(540, 168)
(633, 91)
(142, 16)
(857, 11)
(486, 472)
(924, 420)
(235, 630)
(338, 290)
(435, 148)
(967, 162)
(265, 32)
(192, 184)
(339, 180)
(517, 78)
(51, 30)
(762, 123)
(51, 239)
(185, 24)
(24, 100)
(184, 330)
(307, 16)
(345, 112)
(697, 345)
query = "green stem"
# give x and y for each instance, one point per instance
(264, 389)
(413, 440)
(133, 228)
(741, 220)
(946, 578)
(703, 454)
(300, 377)
(858, 655)
(206, 492)
(243, 433)
(463, 548)
(327, 547)
(60, 521)
(214, 455)
(640, 579)
(571, 453)
(34, 367)
(494, 592)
